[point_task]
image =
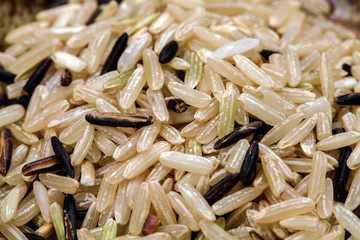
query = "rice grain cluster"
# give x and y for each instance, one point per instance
(180, 119)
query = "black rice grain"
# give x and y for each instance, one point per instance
(248, 168)
(221, 188)
(238, 134)
(62, 156)
(5, 151)
(70, 218)
(36, 77)
(267, 53)
(43, 165)
(66, 78)
(117, 50)
(6, 76)
(348, 99)
(119, 119)
(168, 52)
(176, 104)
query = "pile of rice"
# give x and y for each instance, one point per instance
(181, 119)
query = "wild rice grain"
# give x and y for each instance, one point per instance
(116, 52)
(119, 119)
(70, 217)
(62, 156)
(238, 134)
(168, 52)
(348, 99)
(44, 165)
(6, 146)
(66, 78)
(342, 174)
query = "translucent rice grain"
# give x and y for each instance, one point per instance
(70, 116)
(60, 93)
(165, 37)
(228, 71)
(11, 201)
(104, 143)
(338, 141)
(42, 200)
(21, 135)
(105, 197)
(148, 136)
(193, 74)
(298, 95)
(161, 204)
(132, 88)
(277, 101)
(42, 119)
(209, 132)
(126, 150)
(83, 145)
(227, 113)
(96, 49)
(320, 104)
(293, 67)
(310, 61)
(317, 176)
(237, 155)
(325, 204)
(301, 223)
(140, 209)
(349, 121)
(205, 114)
(281, 129)
(352, 199)
(73, 132)
(91, 218)
(308, 144)
(68, 61)
(285, 209)
(152, 70)
(122, 210)
(34, 56)
(161, 23)
(171, 134)
(326, 78)
(63, 184)
(289, 175)
(235, 48)
(186, 162)
(133, 187)
(143, 161)
(196, 201)
(274, 176)
(192, 129)
(133, 52)
(82, 38)
(26, 212)
(14, 90)
(236, 200)
(298, 133)
(11, 114)
(261, 110)
(11, 232)
(212, 231)
(190, 96)
(323, 127)
(347, 220)
(256, 74)
(157, 102)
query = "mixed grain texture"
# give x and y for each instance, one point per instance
(180, 119)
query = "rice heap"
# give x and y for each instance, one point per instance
(181, 119)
